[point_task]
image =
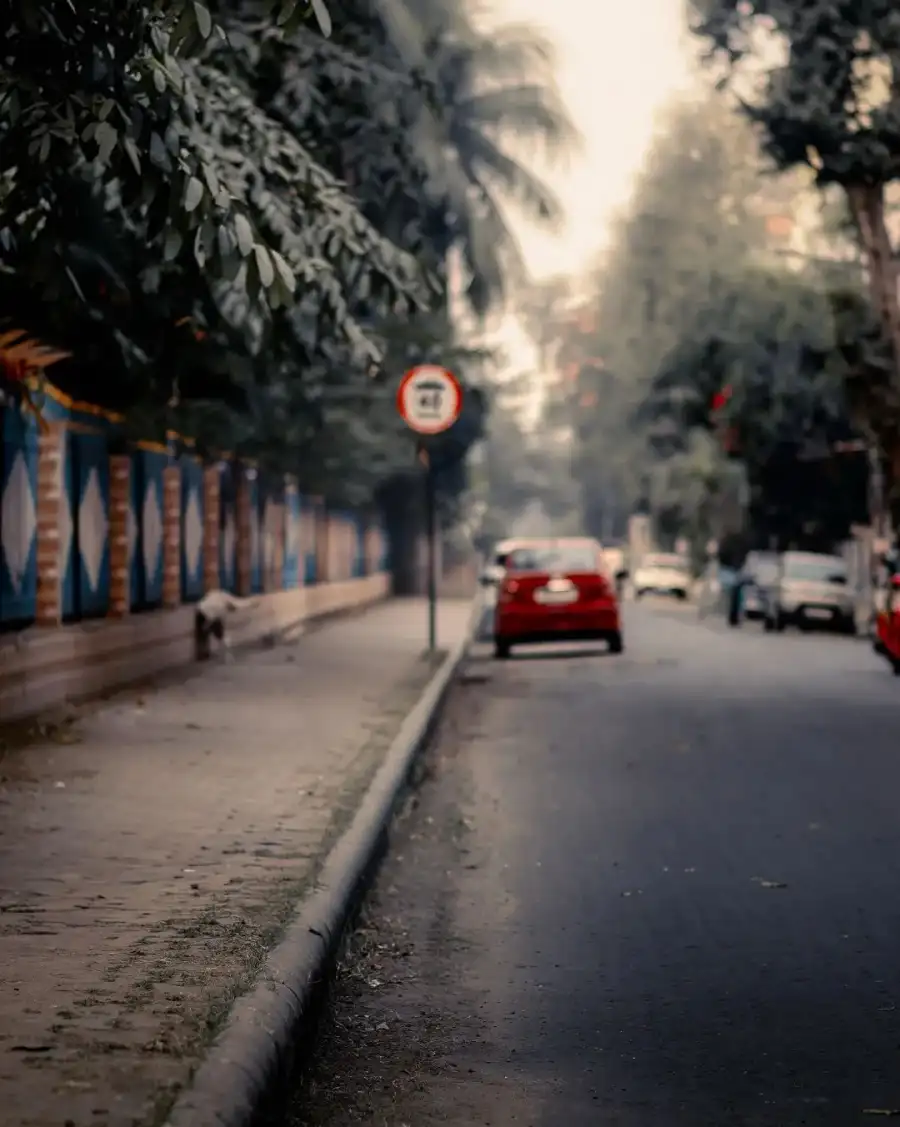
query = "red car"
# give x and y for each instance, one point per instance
(556, 591)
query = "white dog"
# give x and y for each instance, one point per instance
(209, 620)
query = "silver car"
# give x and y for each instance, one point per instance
(760, 572)
(810, 590)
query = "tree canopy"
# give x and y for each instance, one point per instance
(706, 379)
(236, 216)
(825, 96)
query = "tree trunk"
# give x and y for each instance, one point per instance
(867, 208)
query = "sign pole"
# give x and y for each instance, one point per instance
(431, 538)
(429, 400)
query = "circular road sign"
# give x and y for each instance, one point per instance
(429, 399)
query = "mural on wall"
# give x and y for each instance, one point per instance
(191, 530)
(145, 527)
(18, 517)
(294, 540)
(86, 480)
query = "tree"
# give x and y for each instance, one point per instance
(827, 96)
(689, 307)
(488, 88)
(690, 221)
(767, 383)
(267, 156)
(109, 96)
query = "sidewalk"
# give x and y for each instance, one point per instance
(148, 863)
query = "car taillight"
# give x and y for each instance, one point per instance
(508, 590)
(594, 587)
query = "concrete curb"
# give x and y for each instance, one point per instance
(250, 1064)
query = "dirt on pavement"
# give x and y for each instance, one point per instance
(123, 949)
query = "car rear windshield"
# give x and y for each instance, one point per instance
(670, 563)
(562, 559)
(816, 571)
(763, 572)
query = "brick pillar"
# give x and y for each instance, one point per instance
(51, 497)
(212, 489)
(171, 594)
(323, 543)
(279, 530)
(119, 504)
(243, 518)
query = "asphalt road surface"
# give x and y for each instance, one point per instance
(655, 890)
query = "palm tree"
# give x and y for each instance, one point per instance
(488, 89)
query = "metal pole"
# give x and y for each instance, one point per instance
(431, 533)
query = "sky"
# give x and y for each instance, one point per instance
(618, 64)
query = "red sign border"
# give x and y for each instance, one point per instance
(457, 391)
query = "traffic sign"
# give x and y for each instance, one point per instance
(429, 399)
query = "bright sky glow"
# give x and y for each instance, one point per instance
(618, 64)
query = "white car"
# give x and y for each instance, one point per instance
(662, 575)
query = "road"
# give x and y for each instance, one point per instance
(659, 889)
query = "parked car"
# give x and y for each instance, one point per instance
(495, 569)
(760, 572)
(662, 574)
(810, 589)
(556, 591)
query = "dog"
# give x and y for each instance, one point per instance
(210, 618)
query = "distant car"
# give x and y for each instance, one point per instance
(556, 591)
(759, 572)
(810, 590)
(662, 574)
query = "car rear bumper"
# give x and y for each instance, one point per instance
(818, 615)
(559, 625)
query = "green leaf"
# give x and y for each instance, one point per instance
(211, 179)
(204, 20)
(158, 153)
(44, 150)
(323, 16)
(173, 244)
(159, 79)
(133, 155)
(193, 194)
(106, 137)
(106, 109)
(285, 274)
(264, 266)
(244, 233)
